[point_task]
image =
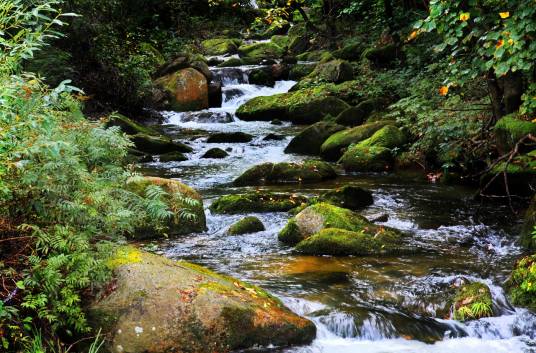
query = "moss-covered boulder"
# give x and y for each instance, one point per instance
(300, 107)
(339, 242)
(282, 173)
(350, 52)
(261, 50)
(221, 46)
(261, 77)
(231, 62)
(280, 40)
(309, 140)
(510, 129)
(174, 197)
(351, 197)
(203, 68)
(298, 44)
(158, 144)
(357, 115)
(319, 216)
(172, 157)
(246, 225)
(129, 126)
(384, 56)
(333, 148)
(160, 305)
(186, 90)
(230, 137)
(316, 55)
(527, 239)
(521, 283)
(335, 71)
(256, 202)
(299, 71)
(374, 154)
(215, 153)
(472, 302)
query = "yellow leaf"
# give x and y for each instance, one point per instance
(504, 14)
(499, 44)
(465, 16)
(510, 41)
(443, 91)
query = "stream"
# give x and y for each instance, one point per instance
(359, 304)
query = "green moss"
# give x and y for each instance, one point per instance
(172, 157)
(367, 159)
(351, 51)
(262, 50)
(319, 55)
(280, 40)
(522, 165)
(335, 71)
(521, 284)
(357, 115)
(389, 137)
(473, 301)
(310, 140)
(299, 71)
(340, 242)
(220, 46)
(158, 144)
(232, 62)
(123, 256)
(510, 129)
(290, 234)
(528, 240)
(351, 197)
(333, 147)
(129, 126)
(256, 202)
(246, 225)
(261, 77)
(280, 173)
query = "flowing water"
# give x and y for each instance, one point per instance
(359, 304)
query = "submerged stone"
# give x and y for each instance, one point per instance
(158, 305)
(172, 157)
(215, 153)
(281, 173)
(256, 202)
(246, 226)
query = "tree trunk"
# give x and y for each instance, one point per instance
(512, 91)
(496, 94)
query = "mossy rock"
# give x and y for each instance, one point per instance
(232, 62)
(299, 71)
(282, 173)
(527, 239)
(230, 137)
(186, 89)
(340, 242)
(215, 153)
(350, 52)
(203, 68)
(319, 216)
(175, 193)
(261, 77)
(129, 126)
(280, 40)
(473, 301)
(309, 140)
(510, 129)
(355, 116)
(351, 197)
(316, 110)
(388, 136)
(335, 71)
(246, 225)
(158, 305)
(521, 282)
(261, 50)
(158, 144)
(259, 202)
(384, 56)
(367, 159)
(172, 157)
(318, 55)
(333, 148)
(298, 44)
(220, 46)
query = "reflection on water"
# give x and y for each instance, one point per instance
(365, 304)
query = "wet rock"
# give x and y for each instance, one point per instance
(187, 90)
(472, 302)
(289, 59)
(182, 61)
(319, 55)
(229, 137)
(276, 122)
(299, 71)
(357, 115)
(208, 117)
(220, 46)
(246, 225)
(232, 93)
(379, 218)
(351, 197)
(162, 305)
(175, 193)
(384, 56)
(298, 44)
(335, 71)
(309, 140)
(280, 40)
(129, 126)
(261, 50)
(232, 62)
(374, 154)
(158, 144)
(214, 61)
(280, 71)
(215, 153)
(261, 77)
(172, 157)
(215, 95)
(256, 202)
(332, 149)
(274, 137)
(202, 67)
(282, 173)
(351, 52)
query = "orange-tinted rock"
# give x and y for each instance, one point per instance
(187, 90)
